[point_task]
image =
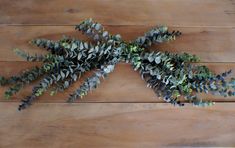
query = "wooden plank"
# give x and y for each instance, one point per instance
(116, 125)
(123, 85)
(220, 43)
(124, 12)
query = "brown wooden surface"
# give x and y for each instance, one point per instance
(123, 12)
(122, 112)
(116, 125)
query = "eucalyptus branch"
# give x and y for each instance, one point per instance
(156, 35)
(91, 82)
(96, 31)
(173, 76)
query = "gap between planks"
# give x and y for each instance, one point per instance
(118, 25)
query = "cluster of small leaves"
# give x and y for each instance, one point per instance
(156, 35)
(72, 59)
(171, 76)
(91, 82)
(174, 77)
(96, 31)
(28, 76)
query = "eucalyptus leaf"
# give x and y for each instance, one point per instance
(66, 84)
(79, 56)
(151, 59)
(158, 60)
(74, 46)
(98, 26)
(86, 45)
(58, 78)
(81, 46)
(105, 33)
(62, 74)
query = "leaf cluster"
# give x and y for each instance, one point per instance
(173, 76)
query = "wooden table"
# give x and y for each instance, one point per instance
(122, 112)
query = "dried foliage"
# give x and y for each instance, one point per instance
(172, 76)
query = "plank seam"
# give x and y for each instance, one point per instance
(112, 102)
(130, 64)
(118, 25)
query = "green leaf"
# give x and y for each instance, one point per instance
(81, 46)
(213, 86)
(96, 48)
(159, 76)
(74, 77)
(53, 76)
(182, 79)
(44, 85)
(86, 45)
(105, 33)
(97, 26)
(58, 78)
(96, 37)
(66, 84)
(88, 31)
(118, 37)
(79, 56)
(150, 58)
(158, 59)
(176, 93)
(74, 46)
(62, 74)
(67, 73)
(37, 94)
(51, 80)
(47, 81)
(91, 50)
(7, 96)
(163, 28)
(89, 56)
(52, 93)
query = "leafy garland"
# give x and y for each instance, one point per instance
(169, 75)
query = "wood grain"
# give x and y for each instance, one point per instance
(123, 85)
(123, 12)
(116, 125)
(122, 111)
(219, 42)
